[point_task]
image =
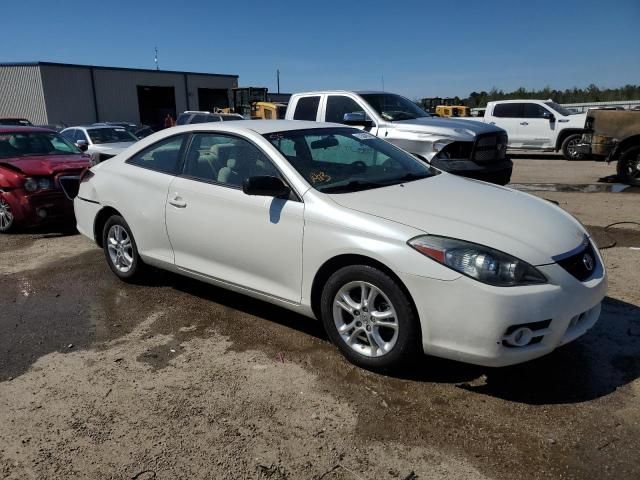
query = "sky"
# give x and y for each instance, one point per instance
(415, 48)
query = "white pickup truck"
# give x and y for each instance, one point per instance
(470, 149)
(537, 125)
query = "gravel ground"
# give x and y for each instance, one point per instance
(178, 379)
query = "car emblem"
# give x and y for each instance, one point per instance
(588, 262)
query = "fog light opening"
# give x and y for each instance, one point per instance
(42, 213)
(520, 337)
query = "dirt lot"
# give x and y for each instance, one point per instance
(177, 379)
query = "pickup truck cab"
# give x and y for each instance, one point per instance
(469, 149)
(537, 125)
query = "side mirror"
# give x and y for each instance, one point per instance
(357, 119)
(82, 145)
(265, 186)
(549, 116)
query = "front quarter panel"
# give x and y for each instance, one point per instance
(332, 230)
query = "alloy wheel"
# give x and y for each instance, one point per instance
(365, 319)
(572, 148)
(6, 216)
(120, 248)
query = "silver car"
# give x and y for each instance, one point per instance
(99, 141)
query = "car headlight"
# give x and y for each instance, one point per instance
(477, 261)
(30, 185)
(37, 183)
(44, 183)
(438, 145)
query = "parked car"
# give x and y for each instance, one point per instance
(99, 141)
(14, 121)
(614, 135)
(538, 125)
(469, 149)
(394, 256)
(139, 130)
(193, 116)
(39, 174)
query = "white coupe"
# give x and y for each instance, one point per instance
(392, 255)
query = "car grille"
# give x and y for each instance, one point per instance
(490, 147)
(69, 183)
(578, 263)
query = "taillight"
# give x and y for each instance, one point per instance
(86, 175)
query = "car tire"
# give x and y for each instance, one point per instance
(629, 166)
(7, 219)
(379, 334)
(568, 147)
(121, 251)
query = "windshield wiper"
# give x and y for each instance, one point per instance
(353, 186)
(410, 177)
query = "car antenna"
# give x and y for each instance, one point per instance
(155, 59)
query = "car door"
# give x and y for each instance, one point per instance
(508, 116)
(536, 131)
(220, 232)
(140, 194)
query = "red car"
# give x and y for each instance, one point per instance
(39, 175)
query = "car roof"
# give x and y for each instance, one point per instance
(330, 92)
(258, 126)
(25, 129)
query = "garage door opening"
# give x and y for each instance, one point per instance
(211, 98)
(154, 104)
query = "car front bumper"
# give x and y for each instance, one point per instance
(468, 321)
(31, 209)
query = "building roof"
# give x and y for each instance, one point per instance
(100, 67)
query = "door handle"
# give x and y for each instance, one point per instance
(178, 202)
(524, 123)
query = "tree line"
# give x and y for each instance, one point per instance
(592, 93)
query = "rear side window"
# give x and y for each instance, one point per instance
(509, 110)
(338, 106)
(307, 108)
(163, 156)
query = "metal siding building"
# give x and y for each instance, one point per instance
(51, 93)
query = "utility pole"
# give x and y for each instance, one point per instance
(278, 77)
(155, 59)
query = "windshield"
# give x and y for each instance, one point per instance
(393, 107)
(110, 135)
(34, 144)
(559, 108)
(342, 160)
(18, 122)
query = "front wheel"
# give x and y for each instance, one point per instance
(7, 219)
(369, 317)
(569, 147)
(121, 251)
(629, 166)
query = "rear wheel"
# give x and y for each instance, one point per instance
(569, 147)
(7, 220)
(629, 165)
(121, 251)
(369, 317)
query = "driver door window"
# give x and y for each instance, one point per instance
(338, 106)
(225, 159)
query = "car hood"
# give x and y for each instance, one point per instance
(46, 165)
(459, 129)
(516, 223)
(110, 148)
